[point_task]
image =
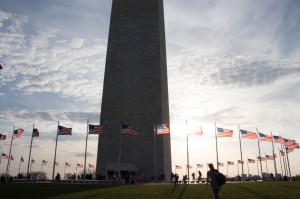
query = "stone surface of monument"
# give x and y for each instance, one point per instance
(135, 93)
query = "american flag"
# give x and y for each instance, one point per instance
(251, 160)
(264, 137)
(198, 131)
(230, 163)
(220, 164)
(278, 139)
(199, 165)
(32, 161)
(240, 162)
(35, 133)
(188, 166)
(56, 163)
(17, 133)
(67, 164)
(292, 146)
(2, 137)
(95, 129)
(288, 150)
(177, 167)
(79, 165)
(162, 129)
(248, 134)
(45, 162)
(4, 156)
(91, 166)
(289, 142)
(261, 158)
(224, 132)
(270, 157)
(22, 159)
(125, 129)
(64, 131)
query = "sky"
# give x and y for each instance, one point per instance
(231, 64)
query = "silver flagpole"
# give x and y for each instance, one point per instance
(257, 133)
(19, 164)
(267, 165)
(76, 170)
(241, 154)
(187, 152)
(280, 161)
(288, 161)
(216, 146)
(65, 172)
(30, 152)
(55, 151)
(42, 166)
(86, 138)
(275, 167)
(284, 161)
(9, 156)
(120, 150)
(154, 155)
(248, 166)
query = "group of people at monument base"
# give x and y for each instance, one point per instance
(214, 177)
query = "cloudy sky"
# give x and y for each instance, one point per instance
(229, 62)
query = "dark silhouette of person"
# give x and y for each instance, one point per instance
(212, 175)
(57, 177)
(193, 176)
(199, 176)
(176, 178)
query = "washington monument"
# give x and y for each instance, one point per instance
(135, 93)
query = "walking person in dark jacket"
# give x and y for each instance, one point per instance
(212, 175)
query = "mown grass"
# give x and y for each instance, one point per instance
(264, 190)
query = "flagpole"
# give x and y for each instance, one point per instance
(280, 154)
(20, 164)
(42, 166)
(154, 155)
(241, 154)
(248, 166)
(259, 153)
(267, 165)
(187, 152)
(8, 162)
(275, 167)
(30, 165)
(65, 171)
(288, 161)
(257, 167)
(76, 170)
(227, 169)
(30, 152)
(284, 161)
(120, 150)
(86, 138)
(238, 167)
(55, 151)
(216, 146)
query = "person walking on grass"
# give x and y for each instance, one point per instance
(212, 175)
(176, 178)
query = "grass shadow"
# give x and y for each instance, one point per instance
(250, 191)
(182, 192)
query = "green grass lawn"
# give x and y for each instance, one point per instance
(266, 190)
